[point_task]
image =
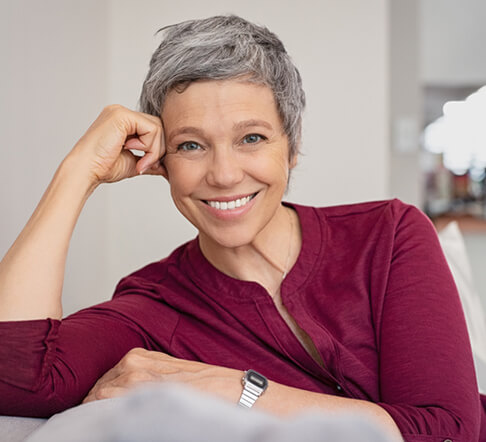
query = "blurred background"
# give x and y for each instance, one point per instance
(395, 109)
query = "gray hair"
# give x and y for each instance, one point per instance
(224, 47)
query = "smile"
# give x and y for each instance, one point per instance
(229, 205)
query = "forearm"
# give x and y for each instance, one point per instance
(32, 271)
(140, 366)
(283, 400)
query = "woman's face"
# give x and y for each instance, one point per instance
(227, 158)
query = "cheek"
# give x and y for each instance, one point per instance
(273, 169)
(183, 176)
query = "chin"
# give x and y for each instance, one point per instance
(229, 240)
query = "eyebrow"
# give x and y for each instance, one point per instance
(237, 126)
(186, 130)
(252, 123)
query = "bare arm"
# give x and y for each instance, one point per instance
(32, 271)
(139, 366)
(283, 400)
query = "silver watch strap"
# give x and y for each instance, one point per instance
(249, 395)
(254, 384)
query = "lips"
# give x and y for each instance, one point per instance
(225, 204)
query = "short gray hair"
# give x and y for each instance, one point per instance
(224, 47)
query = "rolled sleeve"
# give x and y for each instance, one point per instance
(26, 352)
(47, 366)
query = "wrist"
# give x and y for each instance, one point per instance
(75, 168)
(254, 385)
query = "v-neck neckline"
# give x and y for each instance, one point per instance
(221, 286)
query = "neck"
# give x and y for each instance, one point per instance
(267, 258)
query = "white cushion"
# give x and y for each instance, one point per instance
(454, 249)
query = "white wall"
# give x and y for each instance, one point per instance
(453, 39)
(53, 81)
(406, 104)
(65, 60)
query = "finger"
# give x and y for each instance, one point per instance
(150, 159)
(135, 143)
(141, 132)
(125, 166)
(89, 398)
(106, 392)
(135, 377)
(156, 143)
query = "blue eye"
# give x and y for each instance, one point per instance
(188, 146)
(252, 139)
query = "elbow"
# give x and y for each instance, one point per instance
(437, 423)
(42, 402)
(29, 404)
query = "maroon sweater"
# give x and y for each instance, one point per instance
(371, 288)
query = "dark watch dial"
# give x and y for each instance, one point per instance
(256, 379)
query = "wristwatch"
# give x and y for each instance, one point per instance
(254, 384)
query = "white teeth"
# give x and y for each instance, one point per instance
(228, 205)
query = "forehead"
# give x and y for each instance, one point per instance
(207, 103)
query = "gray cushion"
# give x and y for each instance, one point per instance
(175, 413)
(16, 429)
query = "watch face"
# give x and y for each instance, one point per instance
(257, 379)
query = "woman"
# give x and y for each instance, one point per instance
(343, 308)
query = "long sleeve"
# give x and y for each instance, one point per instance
(426, 371)
(47, 366)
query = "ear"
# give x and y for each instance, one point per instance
(293, 161)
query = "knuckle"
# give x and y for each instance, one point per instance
(133, 357)
(103, 393)
(111, 108)
(156, 120)
(138, 351)
(117, 114)
(157, 126)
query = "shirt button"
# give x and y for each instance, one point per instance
(340, 389)
(447, 440)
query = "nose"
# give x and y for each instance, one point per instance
(224, 169)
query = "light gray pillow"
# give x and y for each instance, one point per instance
(175, 413)
(16, 429)
(454, 249)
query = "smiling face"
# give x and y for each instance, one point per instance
(227, 159)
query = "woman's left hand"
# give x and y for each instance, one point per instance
(140, 366)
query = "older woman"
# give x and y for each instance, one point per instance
(342, 308)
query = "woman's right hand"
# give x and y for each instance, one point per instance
(101, 155)
(106, 146)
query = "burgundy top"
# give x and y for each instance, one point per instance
(371, 288)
